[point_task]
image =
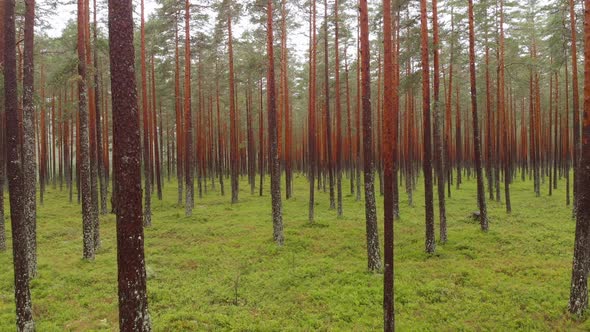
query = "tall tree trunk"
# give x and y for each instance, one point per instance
(179, 113)
(427, 161)
(576, 103)
(2, 149)
(91, 132)
(579, 287)
(260, 141)
(449, 107)
(275, 167)
(99, 130)
(373, 252)
(327, 109)
(502, 110)
(28, 147)
(157, 149)
(389, 115)
(2, 140)
(24, 312)
(188, 118)
(147, 162)
(84, 164)
(234, 159)
(439, 124)
(339, 151)
(311, 113)
(133, 306)
(285, 102)
(220, 148)
(481, 195)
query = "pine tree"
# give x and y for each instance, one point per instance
(84, 166)
(28, 157)
(373, 253)
(481, 196)
(275, 168)
(24, 312)
(133, 306)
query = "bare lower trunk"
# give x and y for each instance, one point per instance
(133, 305)
(24, 313)
(373, 251)
(275, 167)
(481, 198)
(84, 178)
(28, 148)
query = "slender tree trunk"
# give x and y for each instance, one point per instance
(99, 130)
(502, 110)
(157, 149)
(133, 306)
(260, 141)
(311, 113)
(188, 119)
(427, 162)
(250, 138)
(28, 147)
(179, 113)
(358, 114)
(275, 167)
(84, 164)
(449, 106)
(481, 198)
(389, 115)
(220, 149)
(147, 162)
(373, 252)
(91, 132)
(288, 149)
(339, 151)
(235, 167)
(328, 120)
(439, 124)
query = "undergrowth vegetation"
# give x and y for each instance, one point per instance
(220, 269)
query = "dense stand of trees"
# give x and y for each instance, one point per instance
(426, 121)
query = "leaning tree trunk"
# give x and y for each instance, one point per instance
(275, 167)
(24, 312)
(133, 307)
(373, 252)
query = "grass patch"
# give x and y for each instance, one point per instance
(220, 269)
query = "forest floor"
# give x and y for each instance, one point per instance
(220, 269)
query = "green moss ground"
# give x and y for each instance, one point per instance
(516, 277)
